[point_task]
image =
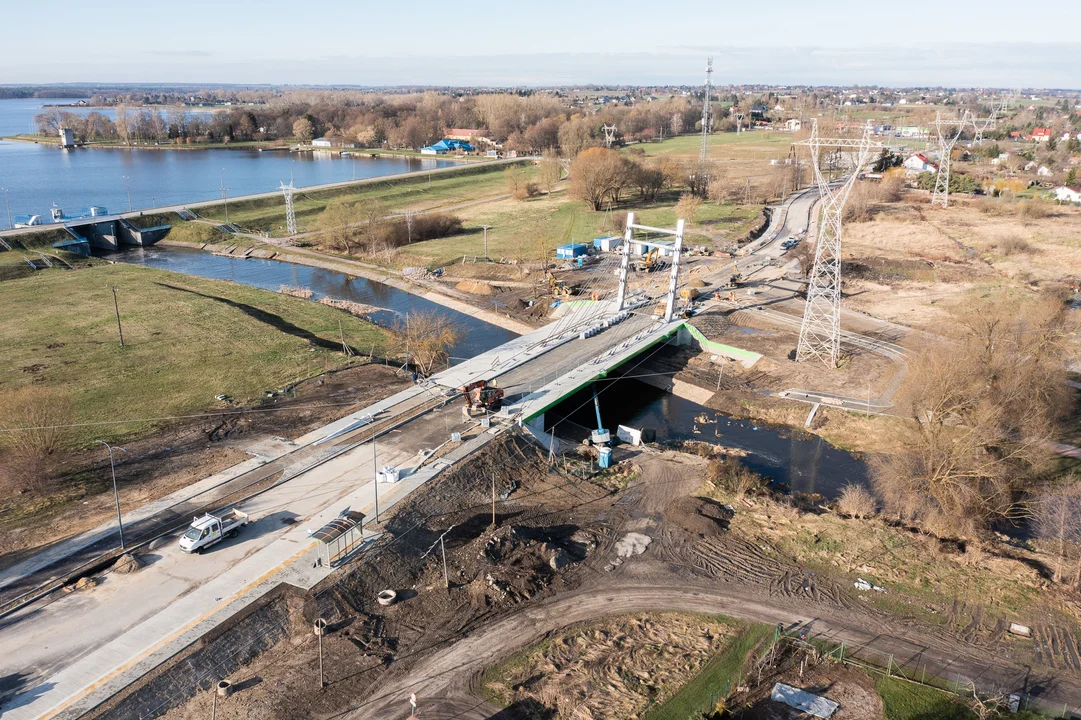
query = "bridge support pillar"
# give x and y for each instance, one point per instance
(625, 263)
(673, 280)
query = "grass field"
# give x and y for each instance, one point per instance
(518, 228)
(396, 195)
(187, 340)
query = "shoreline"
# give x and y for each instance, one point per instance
(302, 256)
(242, 145)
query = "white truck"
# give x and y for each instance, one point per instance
(212, 528)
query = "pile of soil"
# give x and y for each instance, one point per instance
(703, 517)
(476, 287)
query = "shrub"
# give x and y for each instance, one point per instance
(730, 475)
(1013, 245)
(856, 501)
(429, 226)
(32, 417)
(1034, 209)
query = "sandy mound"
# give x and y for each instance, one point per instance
(475, 287)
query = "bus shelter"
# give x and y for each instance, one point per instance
(340, 537)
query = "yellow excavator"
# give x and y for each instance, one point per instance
(559, 288)
(649, 262)
(737, 277)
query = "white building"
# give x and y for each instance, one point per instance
(1044, 171)
(919, 163)
(321, 143)
(793, 125)
(1066, 193)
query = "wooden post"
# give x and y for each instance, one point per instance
(443, 549)
(116, 307)
(493, 499)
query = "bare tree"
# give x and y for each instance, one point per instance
(31, 432)
(595, 176)
(427, 337)
(338, 222)
(687, 206)
(375, 218)
(549, 170)
(985, 405)
(1056, 512)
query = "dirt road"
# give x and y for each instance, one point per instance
(443, 681)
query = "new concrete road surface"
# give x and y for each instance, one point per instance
(55, 650)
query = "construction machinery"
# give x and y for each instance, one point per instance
(481, 398)
(649, 262)
(736, 280)
(559, 288)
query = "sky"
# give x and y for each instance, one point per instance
(992, 43)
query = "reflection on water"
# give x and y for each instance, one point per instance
(805, 464)
(271, 275)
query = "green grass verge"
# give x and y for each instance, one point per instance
(908, 701)
(187, 340)
(696, 693)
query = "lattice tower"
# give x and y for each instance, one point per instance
(707, 114)
(290, 216)
(820, 333)
(948, 132)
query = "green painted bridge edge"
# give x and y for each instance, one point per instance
(732, 352)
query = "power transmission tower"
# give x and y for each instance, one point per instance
(948, 132)
(609, 134)
(707, 113)
(820, 333)
(290, 216)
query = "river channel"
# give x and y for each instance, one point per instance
(803, 464)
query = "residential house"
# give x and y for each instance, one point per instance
(1001, 159)
(793, 125)
(1044, 171)
(919, 163)
(1040, 135)
(1030, 166)
(321, 143)
(1068, 193)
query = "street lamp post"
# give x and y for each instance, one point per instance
(116, 493)
(127, 186)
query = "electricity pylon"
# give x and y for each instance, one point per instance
(820, 333)
(948, 132)
(609, 134)
(707, 114)
(290, 216)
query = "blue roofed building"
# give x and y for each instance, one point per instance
(445, 146)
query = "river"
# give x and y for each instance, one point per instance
(478, 336)
(37, 176)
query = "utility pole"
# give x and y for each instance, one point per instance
(116, 307)
(8, 203)
(127, 186)
(485, 241)
(116, 493)
(707, 114)
(320, 630)
(224, 198)
(493, 499)
(443, 551)
(375, 479)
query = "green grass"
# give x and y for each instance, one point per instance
(517, 228)
(396, 195)
(723, 145)
(187, 340)
(696, 693)
(909, 701)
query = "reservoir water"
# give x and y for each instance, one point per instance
(38, 176)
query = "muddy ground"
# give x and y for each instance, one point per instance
(179, 455)
(558, 537)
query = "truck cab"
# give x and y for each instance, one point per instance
(212, 528)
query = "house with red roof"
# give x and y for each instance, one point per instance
(919, 163)
(1040, 135)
